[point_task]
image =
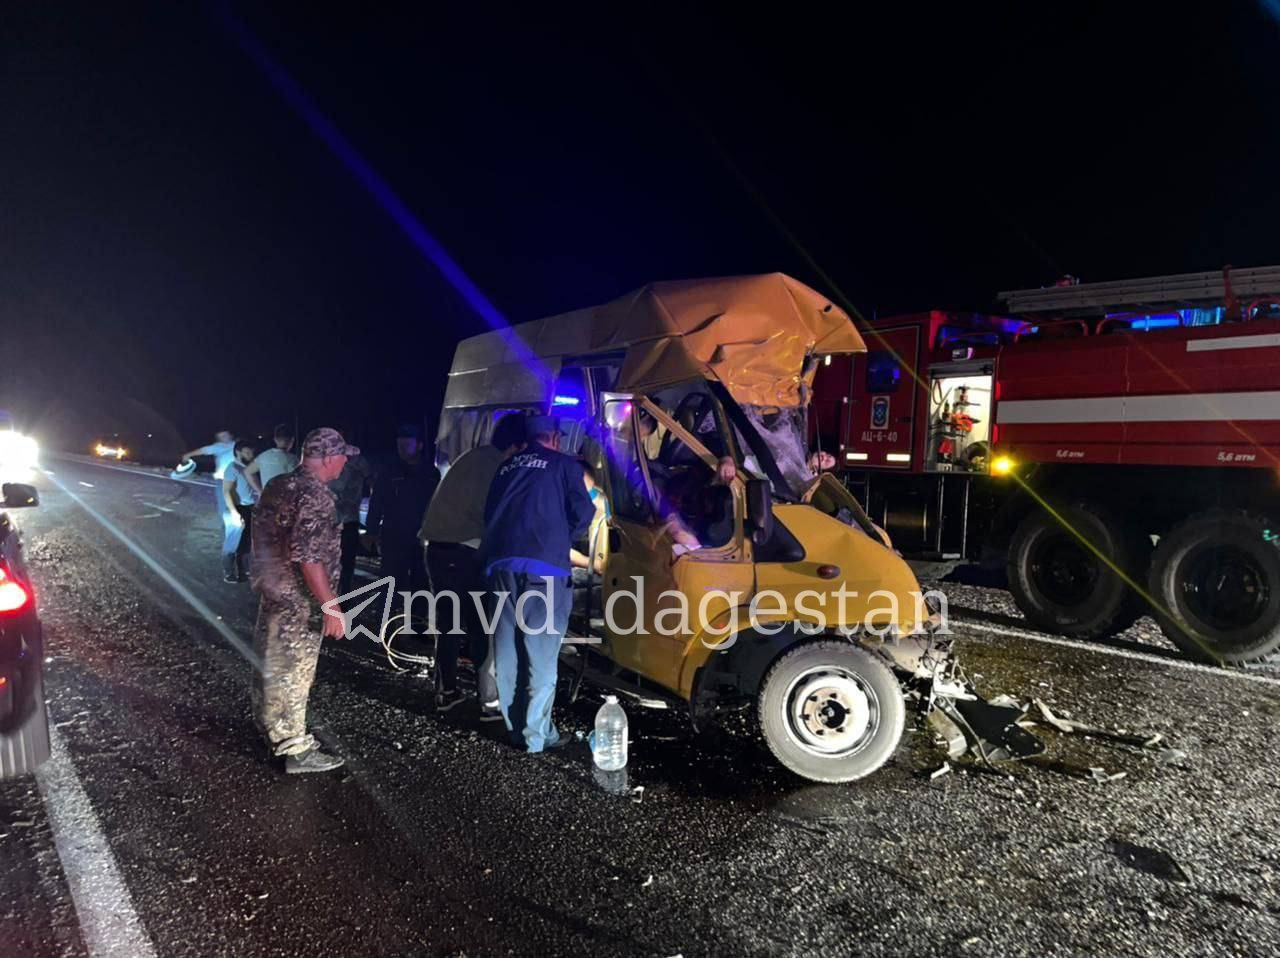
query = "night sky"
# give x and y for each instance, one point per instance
(179, 250)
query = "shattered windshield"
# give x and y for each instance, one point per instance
(777, 451)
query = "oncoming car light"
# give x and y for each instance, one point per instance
(1001, 466)
(17, 452)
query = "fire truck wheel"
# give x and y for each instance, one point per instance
(1216, 579)
(1062, 586)
(830, 712)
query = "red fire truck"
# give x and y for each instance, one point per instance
(1116, 446)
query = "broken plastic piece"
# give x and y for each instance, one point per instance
(951, 735)
(1102, 777)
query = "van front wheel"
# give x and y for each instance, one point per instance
(831, 712)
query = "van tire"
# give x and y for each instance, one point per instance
(1231, 549)
(1061, 587)
(830, 712)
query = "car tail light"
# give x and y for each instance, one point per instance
(13, 597)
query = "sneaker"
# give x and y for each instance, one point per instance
(230, 577)
(312, 760)
(241, 577)
(555, 744)
(447, 700)
(489, 712)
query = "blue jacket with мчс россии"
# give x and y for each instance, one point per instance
(536, 506)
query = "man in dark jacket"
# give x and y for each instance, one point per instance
(453, 530)
(401, 494)
(536, 506)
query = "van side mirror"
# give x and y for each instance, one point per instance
(19, 495)
(759, 520)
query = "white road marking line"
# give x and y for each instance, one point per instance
(960, 625)
(187, 595)
(208, 483)
(107, 918)
(87, 485)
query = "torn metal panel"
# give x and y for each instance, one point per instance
(752, 333)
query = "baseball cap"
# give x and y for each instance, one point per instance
(540, 425)
(326, 442)
(409, 431)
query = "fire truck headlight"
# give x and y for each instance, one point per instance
(1001, 466)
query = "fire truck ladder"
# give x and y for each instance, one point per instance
(1185, 290)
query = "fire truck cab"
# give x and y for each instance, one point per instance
(1115, 446)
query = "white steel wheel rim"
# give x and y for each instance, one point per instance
(831, 711)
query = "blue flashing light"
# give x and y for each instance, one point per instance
(566, 401)
(1157, 322)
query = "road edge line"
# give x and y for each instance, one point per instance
(109, 924)
(961, 624)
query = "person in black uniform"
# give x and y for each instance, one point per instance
(401, 494)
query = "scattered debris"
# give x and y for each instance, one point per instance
(1047, 716)
(637, 794)
(994, 731)
(647, 882)
(1101, 775)
(1071, 726)
(941, 770)
(949, 734)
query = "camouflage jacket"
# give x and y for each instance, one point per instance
(295, 521)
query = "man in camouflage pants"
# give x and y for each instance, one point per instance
(296, 550)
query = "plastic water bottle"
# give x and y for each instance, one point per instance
(609, 748)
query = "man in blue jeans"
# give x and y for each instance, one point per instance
(536, 506)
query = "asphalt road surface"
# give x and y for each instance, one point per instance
(160, 827)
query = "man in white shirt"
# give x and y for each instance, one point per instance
(277, 461)
(238, 497)
(223, 451)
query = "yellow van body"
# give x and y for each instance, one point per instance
(843, 605)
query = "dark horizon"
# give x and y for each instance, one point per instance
(184, 251)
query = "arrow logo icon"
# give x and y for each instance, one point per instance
(334, 607)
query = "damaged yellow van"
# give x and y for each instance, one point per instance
(728, 570)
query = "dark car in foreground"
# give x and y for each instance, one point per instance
(24, 724)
